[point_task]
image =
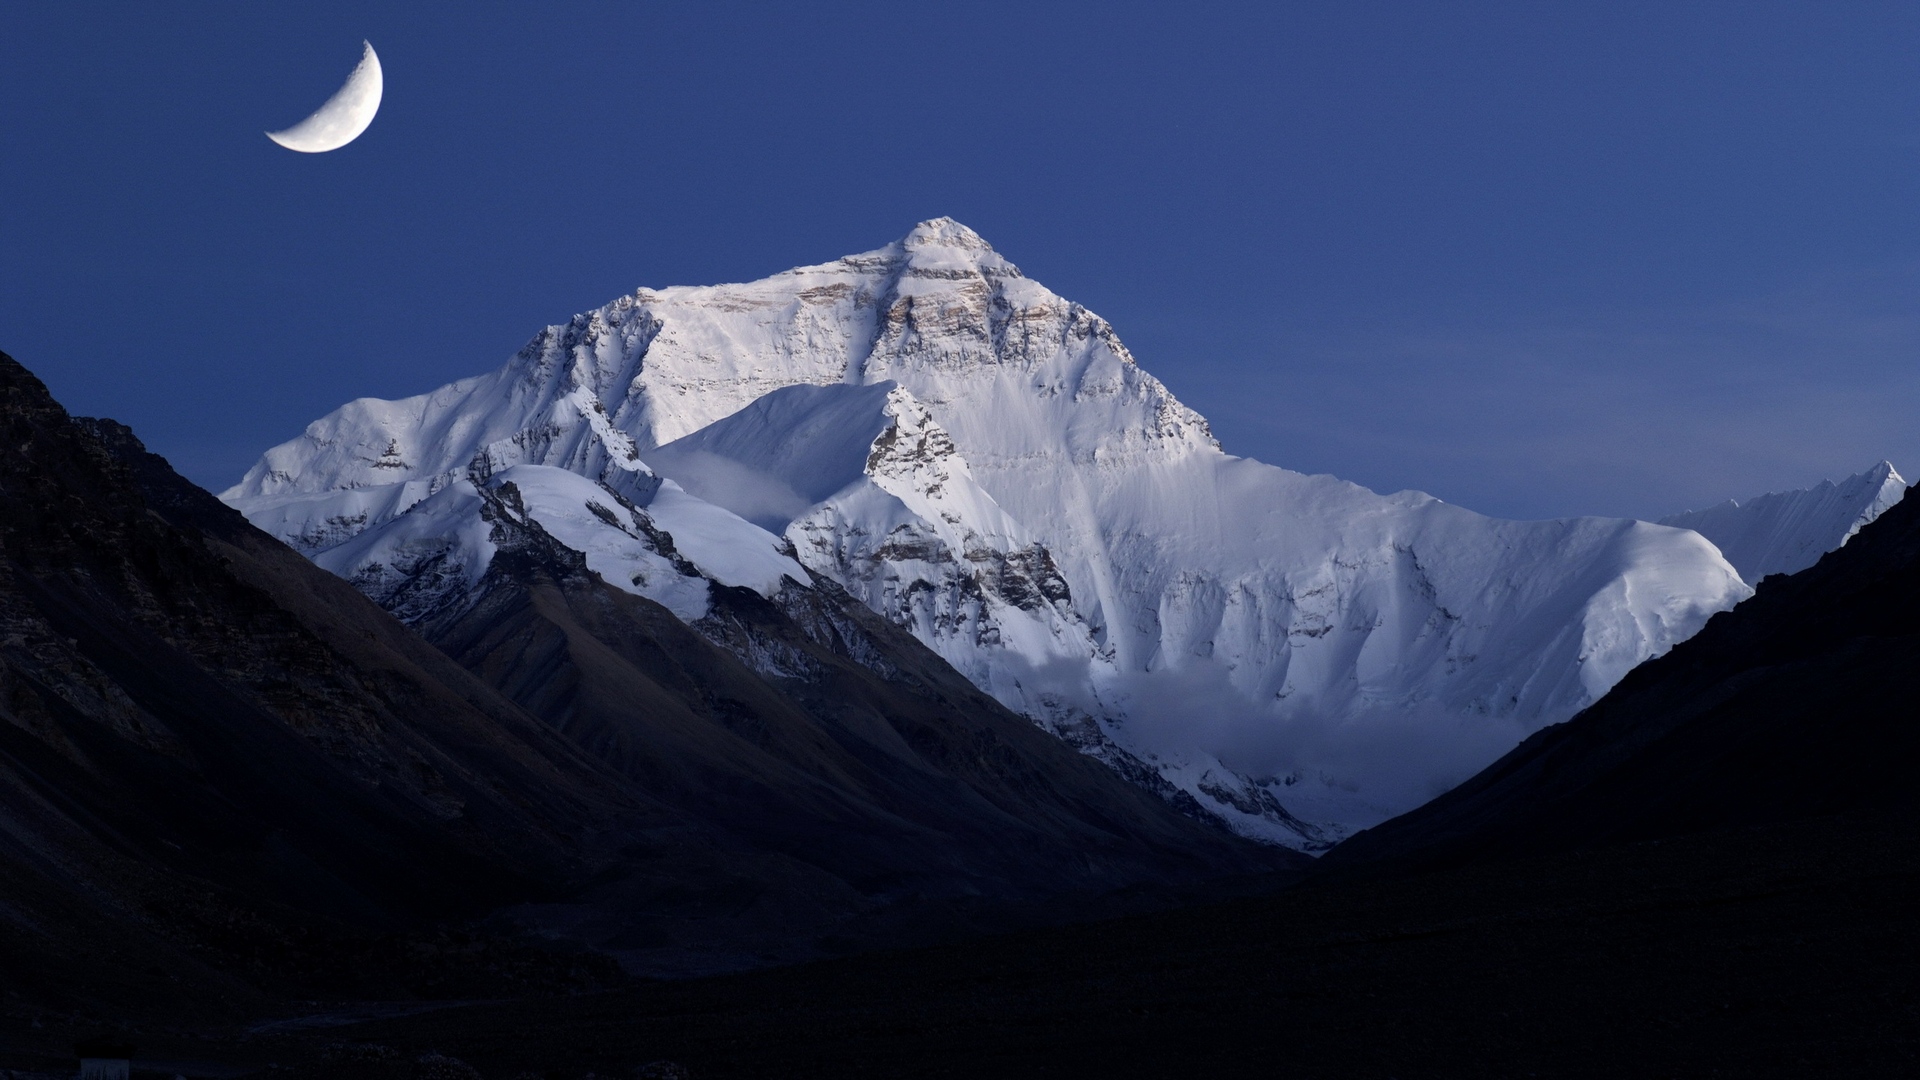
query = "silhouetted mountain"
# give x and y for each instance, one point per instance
(1799, 703)
(223, 768)
(210, 746)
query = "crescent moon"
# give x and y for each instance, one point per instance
(345, 115)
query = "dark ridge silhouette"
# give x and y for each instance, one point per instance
(216, 761)
(225, 775)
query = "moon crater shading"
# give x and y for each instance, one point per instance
(344, 116)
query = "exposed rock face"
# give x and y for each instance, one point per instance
(983, 462)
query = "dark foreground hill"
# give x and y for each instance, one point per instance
(225, 776)
(1712, 872)
(1779, 951)
(215, 760)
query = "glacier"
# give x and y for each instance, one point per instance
(1785, 532)
(984, 463)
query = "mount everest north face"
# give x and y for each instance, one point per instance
(985, 464)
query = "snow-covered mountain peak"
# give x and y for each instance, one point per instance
(1785, 532)
(983, 462)
(944, 244)
(938, 311)
(1888, 486)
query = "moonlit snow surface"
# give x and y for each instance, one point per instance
(1786, 532)
(344, 116)
(983, 462)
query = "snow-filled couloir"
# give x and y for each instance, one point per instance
(984, 463)
(1784, 532)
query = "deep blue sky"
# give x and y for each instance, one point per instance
(1537, 259)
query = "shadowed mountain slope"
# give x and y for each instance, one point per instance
(200, 730)
(1798, 703)
(807, 727)
(218, 762)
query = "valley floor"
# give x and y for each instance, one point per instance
(1786, 950)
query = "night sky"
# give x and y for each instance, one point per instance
(1537, 259)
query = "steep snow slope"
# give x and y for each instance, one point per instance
(878, 499)
(418, 563)
(1786, 532)
(1798, 705)
(984, 462)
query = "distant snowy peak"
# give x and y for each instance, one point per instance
(1786, 532)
